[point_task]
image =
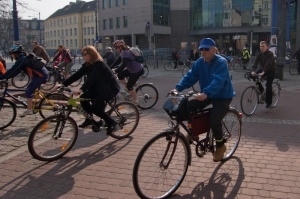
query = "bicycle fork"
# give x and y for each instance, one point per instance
(169, 152)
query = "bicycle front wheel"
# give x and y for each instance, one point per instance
(76, 83)
(52, 103)
(293, 69)
(146, 71)
(168, 66)
(8, 113)
(275, 93)
(21, 80)
(52, 138)
(50, 82)
(147, 96)
(127, 116)
(161, 165)
(236, 66)
(231, 126)
(249, 100)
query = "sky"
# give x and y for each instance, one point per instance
(45, 7)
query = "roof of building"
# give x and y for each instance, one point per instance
(75, 7)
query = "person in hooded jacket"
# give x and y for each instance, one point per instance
(38, 76)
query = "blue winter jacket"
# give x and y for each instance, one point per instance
(213, 77)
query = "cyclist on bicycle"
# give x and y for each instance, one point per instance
(129, 68)
(66, 60)
(297, 55)
(100, 85)
(38, 76)
(109, 56)
(245, 57)
(265, 59)
(211, 70)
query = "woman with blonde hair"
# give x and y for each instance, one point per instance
(100, 85)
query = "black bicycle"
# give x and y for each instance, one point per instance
(162, 163)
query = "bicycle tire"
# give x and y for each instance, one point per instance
(232, 129)
(146, 71)
(275, 93)
(152, 179)
(127, 116)
(147, 96)
(8, 112)
(168, 66)
(47, 109)
(249, 100)
(236, 66)
(45, 143)
(50, 82)
(21, 80)
(77, 82)
(293, 69)
(185, 70)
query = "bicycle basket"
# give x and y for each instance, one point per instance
(176, 107)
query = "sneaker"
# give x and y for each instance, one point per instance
(219, 153)
(27, 112)
(85, 124)
(135, 102)
(111, 128)
(190, 138)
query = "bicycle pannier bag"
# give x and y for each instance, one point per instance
(200, 123)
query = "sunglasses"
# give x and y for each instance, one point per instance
(204, 49)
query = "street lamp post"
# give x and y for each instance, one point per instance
(15, 20)
(40, 28)
(287, 33)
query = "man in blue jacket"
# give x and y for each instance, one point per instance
(211, 70)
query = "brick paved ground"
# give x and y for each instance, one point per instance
(264, 166)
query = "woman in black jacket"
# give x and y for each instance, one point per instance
(100, 85)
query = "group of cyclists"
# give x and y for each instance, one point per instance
(209, 69)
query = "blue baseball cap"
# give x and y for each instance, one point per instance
(207, 43)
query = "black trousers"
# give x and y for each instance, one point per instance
(96, 106)
(270, 78)
(220, 108)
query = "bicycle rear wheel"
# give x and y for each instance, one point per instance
(8, 113)
(146, 71)
(21, 80)
(275, 93)
(147, 96)
(161, 165)
(50, 82)
(249, 100)
(231, 126)
(51, 103)
(52, 138)
(127, 116)
(168, 66)
(76, 83)
(293, 69)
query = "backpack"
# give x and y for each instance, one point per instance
(139, 57)
(35, 62)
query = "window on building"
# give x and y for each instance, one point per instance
(161, 13)
(88, 18)
(58, 22)
(50, 33)
(104, 24)
(54, 32)
(118, 3)
(125, 2)
(62, 33)
(84, 19)
(75, 20)
(63, 42)
(92, 17)
(67, 33)
(54, 23)
(71, 33)
(61, 22)
(51, 43)
(66, 21)
(111, 23)
(71, 43)
(110, 2)
(89, 41)
(54, 42)
(88, 30)
(50, 23)
(76, 43)
(70, 20)
(84, 41)
(58, 33)
(118, 22)
(75, 31)
(84, 31)
(58, 42)
(104, 5)
(125, 22)
(67, 43)
(92, 30)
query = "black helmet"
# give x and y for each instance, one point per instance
(16, 49)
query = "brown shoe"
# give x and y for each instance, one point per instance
(219, 153)
(190, 138)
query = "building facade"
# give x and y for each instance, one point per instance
(73, 26)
